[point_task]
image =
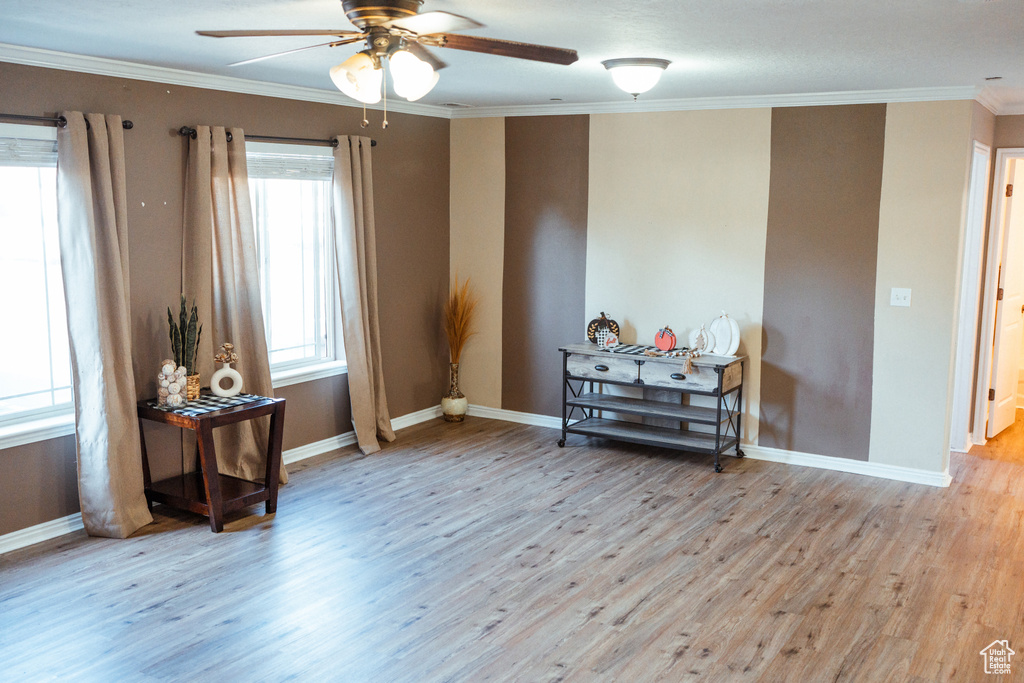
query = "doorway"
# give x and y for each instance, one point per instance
(960, 438)
(1001, 348)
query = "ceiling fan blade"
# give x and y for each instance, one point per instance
(433, 22)
(506, 48)
(426, 55)
(333, 43)
(272, 32)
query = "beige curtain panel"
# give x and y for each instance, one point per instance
(92, 216)
(219, 269)
(356, 312)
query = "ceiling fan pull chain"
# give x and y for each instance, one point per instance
(385, 85)
(366, 121)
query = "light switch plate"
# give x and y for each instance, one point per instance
(900, 297)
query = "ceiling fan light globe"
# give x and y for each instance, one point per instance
(358, 78)
(413, 78)
(423, 87)
(636, 76)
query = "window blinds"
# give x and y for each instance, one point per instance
(296, 166)
(25, 152)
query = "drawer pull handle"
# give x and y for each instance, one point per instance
(676, 375)
(601, 368)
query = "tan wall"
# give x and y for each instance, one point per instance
(411, 189)
(924, 182)
(677, 224)
(983, 124)
(478, 246)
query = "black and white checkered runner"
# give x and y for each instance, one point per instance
(207, 403)
(635, 349)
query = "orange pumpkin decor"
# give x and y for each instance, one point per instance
(665, 339)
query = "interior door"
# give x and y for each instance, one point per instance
(1009, 310)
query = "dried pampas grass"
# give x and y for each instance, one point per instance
(459, 311)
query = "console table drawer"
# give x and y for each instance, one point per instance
(700, 378)
(604, 368)
(672, 376)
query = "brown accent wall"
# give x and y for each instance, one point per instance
(411, 182)
(819, 292)
(1009, 132)
(546, 178)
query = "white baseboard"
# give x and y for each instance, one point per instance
(66, 525)
(871, 469)
(40, 532)
(515, 416)
(416, 418)
(316, 448)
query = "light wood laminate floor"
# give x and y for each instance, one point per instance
(482, 552)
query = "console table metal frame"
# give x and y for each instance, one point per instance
(725, 417)
(206, 491)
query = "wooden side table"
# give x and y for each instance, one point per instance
(206, 491)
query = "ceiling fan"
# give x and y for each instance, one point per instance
(395, 30)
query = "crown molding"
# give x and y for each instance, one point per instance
(32, 56)
(995, 100)
(732, 102)
(66, 61)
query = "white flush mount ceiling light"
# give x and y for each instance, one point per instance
(636, 75)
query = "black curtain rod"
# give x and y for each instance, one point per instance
(191, 132)
(58, 121)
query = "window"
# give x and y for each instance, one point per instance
(35, 375)
(290, 186)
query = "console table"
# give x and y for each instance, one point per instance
(668, 419)
(206, 491)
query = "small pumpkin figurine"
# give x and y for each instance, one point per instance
(599, 329)
(665, 340)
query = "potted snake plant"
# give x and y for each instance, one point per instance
(185, 335)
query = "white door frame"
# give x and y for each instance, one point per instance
(988, 319)
(970, 296)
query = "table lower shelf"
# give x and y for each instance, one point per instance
(187, 492)
(649, 435)
(649, 408)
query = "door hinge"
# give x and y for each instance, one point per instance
(1009, 190)
(999, 294)
(991, 394)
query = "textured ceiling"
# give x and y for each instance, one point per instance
(721, 48)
